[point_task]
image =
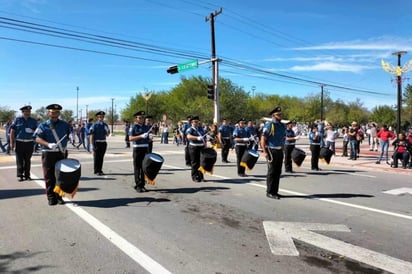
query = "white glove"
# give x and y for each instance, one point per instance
(91, 147)
(145, 135)
(251, 138)
(297, 137)
(209, 137)
(151, 136)
(199, 138)
(52, 146)
(245, 140)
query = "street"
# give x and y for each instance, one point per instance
(343, 219)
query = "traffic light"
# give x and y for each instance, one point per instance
(172, 70)
(211, 92)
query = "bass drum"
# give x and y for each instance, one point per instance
(67, 172)
(208, 158)
(326, 154)
(249, 159)
(298, 156)
(151, 165)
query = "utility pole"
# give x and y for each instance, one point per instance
(215, 62)
(112, 118)
(321, 102)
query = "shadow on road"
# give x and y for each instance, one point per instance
(110, 203)
(330, 195)
(6, 259)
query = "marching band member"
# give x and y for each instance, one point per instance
(97, 134)
(196, 137)
(52, 135)
(21, 137)
(271, 142)
(139, 134)
(225, 139)
(242, 138)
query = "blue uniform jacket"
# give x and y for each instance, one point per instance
(274, 132)
(44, 131)
(24, 128)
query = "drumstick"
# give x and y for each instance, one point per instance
(150, 129)
(58, 142)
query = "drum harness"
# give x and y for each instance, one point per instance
(53, 130)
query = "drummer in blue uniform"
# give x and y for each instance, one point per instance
(185, 140)
(139, 135)
(21, 140)
(272, 142)
(197, 141)
(97, 134)
(52, 135)
(225, 138)
(242, 138)
(290, 140)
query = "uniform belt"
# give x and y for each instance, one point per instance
(196, 145)
(25, 140)
(277, 147)
(240, 144)
(316, 144)
(100, 141)
(141, 145)
(225, 137)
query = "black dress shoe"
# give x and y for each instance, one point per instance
(60, 200)
(144, 189)
(28, 178)
(21, 179)
(242, 175)
(139, 189)
(52, 201)
(273, 196)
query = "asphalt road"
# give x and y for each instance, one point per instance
(340, 219)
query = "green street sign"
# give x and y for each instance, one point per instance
(187, 66)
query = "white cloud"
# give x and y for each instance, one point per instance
(385, 43)
(330, 66)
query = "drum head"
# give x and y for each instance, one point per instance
(68, 165)
(253, 152)
(155, 157)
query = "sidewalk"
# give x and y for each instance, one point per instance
(367, 159)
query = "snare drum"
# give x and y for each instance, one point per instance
(151, 165)
(325, 154)
(249, 159)
(67, 172)
(208, 158)
(298, 156)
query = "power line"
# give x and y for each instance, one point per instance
(132, 45)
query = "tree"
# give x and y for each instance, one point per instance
(407, 100)
(383, 115)
(6, 114)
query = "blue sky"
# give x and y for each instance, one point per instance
(337, 43)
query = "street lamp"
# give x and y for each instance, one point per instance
(112, 117)
(77, 105)
(398, 72)
(146, 97)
